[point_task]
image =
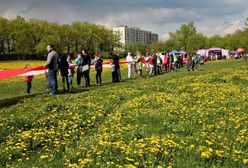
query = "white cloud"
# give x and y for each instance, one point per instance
(233, 26)
(8, 14)
(164, 36)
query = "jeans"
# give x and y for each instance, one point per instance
(99, 76)
(86, 75)
(130, 71)
(159, 69)
(53, 82)
(119, 74)
(115, 76)
(65, 80)
(79, 76)
(155, 69)
(70, 79)
(28, 87)
(175, 66)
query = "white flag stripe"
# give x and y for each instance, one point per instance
(38, 72)
(30, 73)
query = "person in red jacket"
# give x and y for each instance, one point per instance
(166, 62)
(28, 80)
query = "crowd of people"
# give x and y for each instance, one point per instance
(137, 64)
(157, 63)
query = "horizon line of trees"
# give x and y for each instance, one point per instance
(21, 36)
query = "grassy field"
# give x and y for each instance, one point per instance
(183, 119)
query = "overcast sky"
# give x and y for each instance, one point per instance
(159, 16)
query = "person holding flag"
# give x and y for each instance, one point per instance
(52, 65)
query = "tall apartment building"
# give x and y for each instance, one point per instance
(135, 35)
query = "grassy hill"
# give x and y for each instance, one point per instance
(183, 119)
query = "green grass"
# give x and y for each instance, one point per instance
(183, 119)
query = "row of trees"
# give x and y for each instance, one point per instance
(31, 36)
(188, 39)
(20, 36)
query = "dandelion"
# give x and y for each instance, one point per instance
(245, 161)
(43, 156)
(205, 155)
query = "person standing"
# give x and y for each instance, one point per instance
(129, 60)
(52, 65)
(151, 66)
(63, 67)
(118, 66)
(147, 64)
(191, 63)
(154, 63)
(196, 61)
(171, 61)
(70, 71)
(86, 67)
(139, 63)
(115, 66)
(166, 63)
(79, 68)
(111, 61)
(28, 79)
(98, 67)
(175, 62)
(159, 64)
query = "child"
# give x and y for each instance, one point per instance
(28, 80)
(70, 71)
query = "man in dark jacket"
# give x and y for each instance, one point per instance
(86, 62)
(63, 67)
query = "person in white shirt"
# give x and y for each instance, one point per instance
(129, 60)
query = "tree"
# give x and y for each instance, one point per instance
(215, 41)
(37, 31)
(184, 33)
(65, 33)
(21, 40)
(4, 34)
(196, 41)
